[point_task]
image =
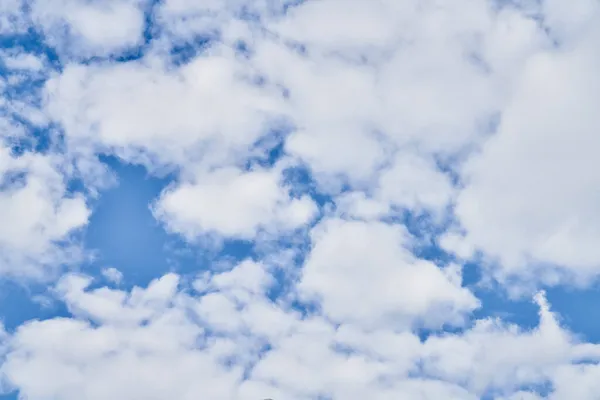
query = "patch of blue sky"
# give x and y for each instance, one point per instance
(39, 139)
(301, 181)
(543, 389)
(13, 180)
(32, 42)
(270, 149)
(495, 301)
(25, 301)
(183, 52)
(122, 231)
(125, 235)
(293, 250)
(242, 48)
(578, 309)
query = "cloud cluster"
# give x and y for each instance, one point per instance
(38, 215)
(224, 338)
(349, 133)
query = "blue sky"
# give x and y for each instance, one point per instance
(300, 200)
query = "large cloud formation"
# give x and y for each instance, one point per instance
(340, 138)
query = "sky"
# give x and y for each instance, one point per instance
(299, 199)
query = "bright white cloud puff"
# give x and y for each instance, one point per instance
(368, 151)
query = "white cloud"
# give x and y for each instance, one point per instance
(494, 355)
(233, 203)
(207, 110)
(345, 25)
(418, 86)
(90, 28)
(359, 205)
(401, 289)
(568, 22)
(580, 381)
(188, 19)
(21, 61)
(375, 92)
(113, 275)
(12, 18)
(38, 215)
(415, 183)
(530, 198)
(139, 338)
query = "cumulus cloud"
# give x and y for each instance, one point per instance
(229, 340)
(22, 61)
(38, 215)
(205, 111)
(318, 130)
(83, 29)
(233, 203)
(533, 181)
(113, 275)
(400, 289)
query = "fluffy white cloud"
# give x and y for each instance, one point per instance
(184, 20)
(407, 76)
(207, 110)
(121, 354)
(233, 203)
(415, 183)
(21, 61)
(256, 348)
(38, 215)
(90, 28)
(416, 88)
(364, 273)
(375, 97)
(493, 355)
(530, 195)
(113, 275)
